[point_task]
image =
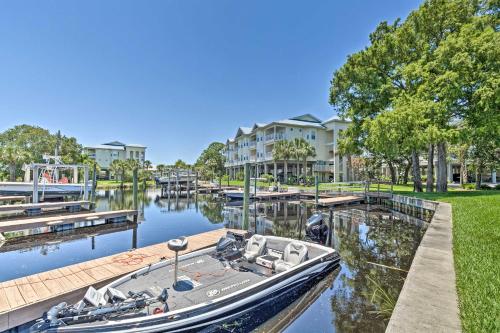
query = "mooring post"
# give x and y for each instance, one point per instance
(177, 181)
(35, 184)
(94, 181)
(187, 183)
(316, 186)
(331, 231)
(134, 186)
(246, 195)
(196, 181)
(85, 182)
(168, 184)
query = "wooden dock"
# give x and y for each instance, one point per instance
(341, 200)
(25, 299)
(267, 195)
(30, 223)
(37, 208)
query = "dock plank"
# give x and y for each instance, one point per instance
(29, 223)
(29, 296)
(13, 296)
(42, 205)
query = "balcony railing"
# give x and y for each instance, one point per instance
(277, 136)
(323, 168)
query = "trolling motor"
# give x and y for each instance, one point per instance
(177, 245)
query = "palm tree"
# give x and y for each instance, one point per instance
(119, 168)
(146, 165)
(161, 168)
(303, 150)
(282, 151)
(12, 156)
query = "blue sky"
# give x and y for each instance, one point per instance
(175, 75)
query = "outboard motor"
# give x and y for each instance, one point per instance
(314, 220)
(225, 243)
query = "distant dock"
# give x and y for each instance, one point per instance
(25, 299)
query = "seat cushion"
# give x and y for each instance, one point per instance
(281, 265)
(256, 246)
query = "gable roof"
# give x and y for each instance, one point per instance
(114, 143)
(306, 117)
(243, 131)
(336, 118)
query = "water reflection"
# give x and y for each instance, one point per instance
(376, 246)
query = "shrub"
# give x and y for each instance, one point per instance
(469, 186)
(485, 187)
(497, 187)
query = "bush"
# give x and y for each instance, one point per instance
(240, 175)
(485, 187)
(469, 186)
(497, 187)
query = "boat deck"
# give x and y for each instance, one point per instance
(201, 279)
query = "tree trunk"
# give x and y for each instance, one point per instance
(479, 173)
(463, 172)
(286, 172)
(430, 169)
(442, 180)
(348, 177)
(417, 179)
(406, 172)
(305, 169)
(394, 177)
(298, 171)
(12, 172)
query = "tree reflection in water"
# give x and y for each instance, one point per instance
(376, 247)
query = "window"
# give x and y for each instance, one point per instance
(131, 154)
(291, 129)
(313, 135)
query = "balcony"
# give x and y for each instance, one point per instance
(252, 144)
(323, 168)
(277, 137)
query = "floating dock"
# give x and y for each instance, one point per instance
(25, 299)
(30, 223)
(37, 208)
(340, 200)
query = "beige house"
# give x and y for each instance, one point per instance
(255, 145)
(106, 153)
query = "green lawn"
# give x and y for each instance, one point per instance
(113, 184)
(476, 249)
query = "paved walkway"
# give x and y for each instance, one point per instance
(428, 300)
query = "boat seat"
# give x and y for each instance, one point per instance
(256, 246)
(295, 253)
(179, 244)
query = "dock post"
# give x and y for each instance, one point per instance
(134, 186)
(34, 198)
(196, 181)
(246, 195)
(94, 181)
(330, 230)
(316, 193)
(177, 188)
(168, 184)
(85, 182)
(187, 183)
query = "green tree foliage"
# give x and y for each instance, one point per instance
(210, 164)
(283, 151)
(27, 144)
(438, 66)
(180, 164)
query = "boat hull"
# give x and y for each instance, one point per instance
(18, 188)
(216, 313)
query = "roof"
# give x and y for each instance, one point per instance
(114, 143)
(109, 147)
(336, 118)
(307, 117)
(298, 123)
(135, 145)
(243, 131)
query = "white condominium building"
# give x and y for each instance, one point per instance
(255, 145)
(106, 153)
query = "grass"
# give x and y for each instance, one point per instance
(476, 250)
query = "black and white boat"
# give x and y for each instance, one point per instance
(195, 290)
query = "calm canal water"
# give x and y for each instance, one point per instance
(375, 244)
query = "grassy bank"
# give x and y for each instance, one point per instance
(476, 249)
(113, 184)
